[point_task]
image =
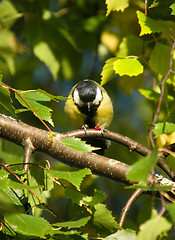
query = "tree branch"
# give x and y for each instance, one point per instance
(18, 132)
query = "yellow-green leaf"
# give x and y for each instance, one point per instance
(148, 25)
(154, 227)
(128, 66)
(140, 170)
(43, 51)
(116, 5)
(108, 71)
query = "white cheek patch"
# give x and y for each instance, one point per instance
(98, 97)
(76, 98)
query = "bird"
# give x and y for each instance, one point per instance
(89, 106)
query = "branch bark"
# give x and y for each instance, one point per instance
(20, 133)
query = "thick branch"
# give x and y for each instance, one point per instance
(18, 132)
(125, 141)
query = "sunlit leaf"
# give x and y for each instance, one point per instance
(8, 46)
(116, 5)
(154, 227)
(151, 188)
(8, 14)
(28, 225)
(148, 25)
(130, 46)
(160, 58)
(161, 128)
(46, 55)
(6, 101)
(39, 104)
(108, 71)
(67, 235)
(122, 235)
(78, 144)
(73, 224)
(103, 218)
(16, 185)
(141, 169)
(154, 4)
(50, 96)
(153, 95)
(75, 177)
(128, 66)
(173, 9)
(82, 199)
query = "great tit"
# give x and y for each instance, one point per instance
(89, 105)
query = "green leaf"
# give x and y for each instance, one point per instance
(160, 58)
(11, 158)
(82, 199)
(126, 234)
(3, 173)
(92, 24)
(4, 183)
(108, 72)
(16, 185)
(75, 177)
(58, 234)
(68, 37)
(152, 95)
(116, 5)
(161, 128)
(77, 197)
(173, 9)
(73, 224)
(154, 4)
(103, 218)
(152, 188)
(78, 144)
(154, 227)
(28, 225)
(128, 66)
(39, 102)
(171, 210)
(50, 96)
(148, 25)
(5, 204)
(7, 43)
(11, 196)
(43, 51)
(130, 46)
(140, 170)
(8, 14)
(6, 101)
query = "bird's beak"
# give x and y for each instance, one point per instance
(89, 106)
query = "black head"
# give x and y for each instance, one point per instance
(87, 96)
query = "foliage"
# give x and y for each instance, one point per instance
(45, 43)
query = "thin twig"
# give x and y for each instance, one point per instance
(20, 95)
(146, 7)
(34, 194)
(161, 94)
(128, 205)
(163, 204)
